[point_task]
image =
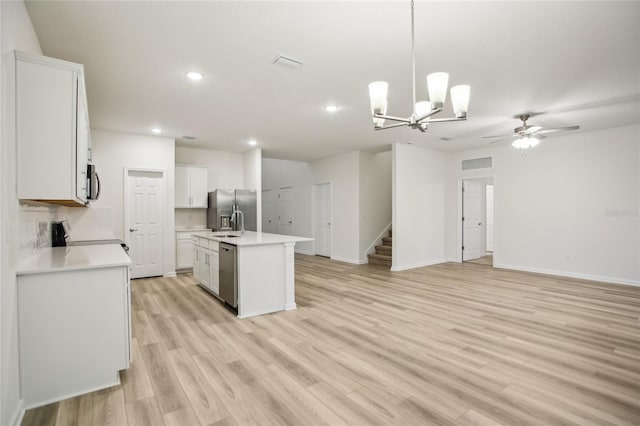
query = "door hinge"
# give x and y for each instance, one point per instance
(462, 247)
(462, 217)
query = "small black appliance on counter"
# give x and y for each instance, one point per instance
(59, 233)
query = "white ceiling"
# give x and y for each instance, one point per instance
(578, 62)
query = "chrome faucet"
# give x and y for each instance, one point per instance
(233, 218)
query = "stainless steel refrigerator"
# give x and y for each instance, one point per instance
(221, 202)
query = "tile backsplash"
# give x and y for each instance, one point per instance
(191, 218)
(35, 219)
(35, 225)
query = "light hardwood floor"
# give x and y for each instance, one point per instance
(451, 344)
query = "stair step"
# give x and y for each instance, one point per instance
(384, 250)
(390, 232)
(379, 259)
(387, 241)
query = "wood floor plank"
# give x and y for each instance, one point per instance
(448, 344)
(166, 387)
(144, 412)
(135, 380)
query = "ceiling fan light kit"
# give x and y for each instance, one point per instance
(437, 84)
(528, 136)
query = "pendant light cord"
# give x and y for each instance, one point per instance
(413, 54)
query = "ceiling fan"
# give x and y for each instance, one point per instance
(528, 136)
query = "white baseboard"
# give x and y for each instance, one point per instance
(18, 415)
(589, 277)
(290, 307)
(417, 265)
(170, 274)
(346, 260)
(307, 252)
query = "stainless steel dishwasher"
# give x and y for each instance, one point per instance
(228, 274)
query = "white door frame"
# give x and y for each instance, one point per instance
(125, 220)
(458, 257)
(314, 190)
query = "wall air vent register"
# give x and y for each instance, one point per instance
(477, 163)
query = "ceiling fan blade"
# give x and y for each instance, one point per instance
(557, 129)
(532, 129)
(495, 136)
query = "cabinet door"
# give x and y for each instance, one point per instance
(204, 267)
(82, 141)
(184, 254)
(214, 283)
(182, 187)
(46, 128)
(196, 262)
(198, 186)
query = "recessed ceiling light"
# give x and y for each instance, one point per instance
(194, 75)
(332, 108)
(156, 130)
(253, 142)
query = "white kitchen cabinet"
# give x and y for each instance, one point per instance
(74, 329)
(184, 250)
(191, 187)
(205, 269)
(52, 130)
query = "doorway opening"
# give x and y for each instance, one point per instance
(478, 221)
(322, 219)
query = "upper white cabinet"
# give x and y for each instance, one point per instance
(191, 187)
(52, 130)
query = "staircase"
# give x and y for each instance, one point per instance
(382, 256)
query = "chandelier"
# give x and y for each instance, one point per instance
(422, 111)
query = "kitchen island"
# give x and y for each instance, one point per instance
(264, 269)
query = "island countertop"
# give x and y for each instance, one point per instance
(250, 238)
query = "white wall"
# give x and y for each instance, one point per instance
(570, 207)
(343, 173)
(419, 176)
(277, 174)
(16, 33)
(112, 153)
(375, 199)
(225, 169)
(252, 170)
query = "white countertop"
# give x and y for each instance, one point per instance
(193, 229)
(250, 238)
(59, 259)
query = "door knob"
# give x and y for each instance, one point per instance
(290, 222)
(132, 230)
(479, 223)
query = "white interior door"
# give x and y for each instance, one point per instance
(322, 203)
(489, 218)
(144, 225)
(285, 211)
(473, 226)
(269, 223)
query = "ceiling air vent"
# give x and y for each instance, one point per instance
(287, 62)
(477, 163)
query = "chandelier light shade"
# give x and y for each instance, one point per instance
(437, 84)
(460, 100)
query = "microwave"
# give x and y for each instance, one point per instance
(93, 183)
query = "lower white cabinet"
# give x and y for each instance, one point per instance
(74, 332)
(205, 267)
(184, 250)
